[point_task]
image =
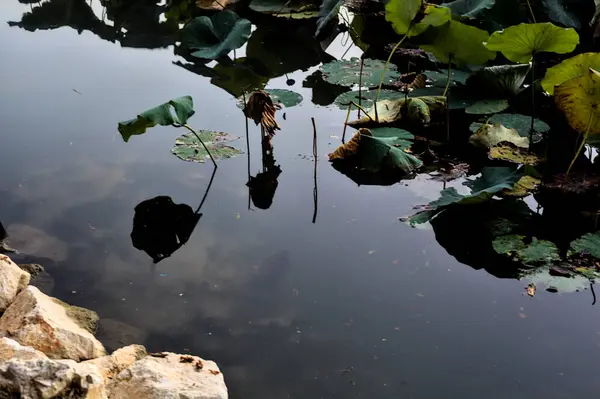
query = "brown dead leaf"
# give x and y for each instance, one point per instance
(349, 149)
(261, 110)
(530, 290)
(410, 81)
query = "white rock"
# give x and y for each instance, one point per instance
(46, 324)
(119, 360)
(12, 281)
(170, 377)
(29, 374)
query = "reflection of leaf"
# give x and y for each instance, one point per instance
(188, 148)
(499, 80)
(161, 227)
(569, 69)
(347, 72)
(470, 8)
(489, 136)
(579, 99)
(217, 35)
(328, 10)
(484, 107)
(237, 78)
(508, 244)
(459, 44)
(160, 115)
(539, 252)
(518, 43)
(298, 9)
(588, 244)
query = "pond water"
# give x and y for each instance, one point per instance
(356, 304)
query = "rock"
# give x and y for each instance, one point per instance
(169, 375)
(12, 281)
(119, 360)
(28, 373)
(42, 322)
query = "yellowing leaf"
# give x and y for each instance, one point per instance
(569, 69)
(579, 99)
(511, 153)
(488, 136)
(523, 187)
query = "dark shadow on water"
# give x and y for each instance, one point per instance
(264, 184)
(161, 227)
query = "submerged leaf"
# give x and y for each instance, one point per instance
(457, 43)
(217, 35)
(188, 148)
(569, 69)
(518, 43)
(489, 136)
(160, 115)
(579, 99)
(347, 72)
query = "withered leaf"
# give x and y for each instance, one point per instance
(261, 110)
(350, 148)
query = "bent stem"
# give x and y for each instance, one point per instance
(583, 141)
(188, 127)
(315, 189)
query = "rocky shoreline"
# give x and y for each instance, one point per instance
(48, 350)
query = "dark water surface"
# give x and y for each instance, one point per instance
(355, 305)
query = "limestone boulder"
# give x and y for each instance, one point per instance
(169, 376)
(118, 361)
(12, 281)
(28, 373)
(58, 330)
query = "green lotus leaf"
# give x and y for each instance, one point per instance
(347, 72)
(366, 97)
(188, 148)
(460, 44)
(485, 107)
(297, 9)
(588, 244)
(469, 8)
(217, 35)
(401, 13)
(569, 69)
(518, 43)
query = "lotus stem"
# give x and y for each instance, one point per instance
(315, 189)
(362, 61)
(448, 79)
(362, 109)
(346, 123)
(188, 127)
(388, 62)
(532, 100)
(531, 11)
(585, 136)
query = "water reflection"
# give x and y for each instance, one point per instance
(161, 227)
(263, 185)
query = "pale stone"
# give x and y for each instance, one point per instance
(28, 373)
(118, 361)
(169, 376)
(12, 281)
(42, 322)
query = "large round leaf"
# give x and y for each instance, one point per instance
(579, 99)
(347, 72)
(570, 13)
(518, 43)
(460, 44)
(433, 15)
(188, 148)
(297, 9)
(485, 107)
(569, 69)
(366, 97)
(217, 35)
(469, 8)
(401, 14)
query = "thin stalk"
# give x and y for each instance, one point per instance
(362, 61)
(315, 189)
(207, 190)
(388, 62)
(188, 127)
(448, 79)
(531, 11)
(585, 136)
(247, 146)
(346, 123)
(532, 99)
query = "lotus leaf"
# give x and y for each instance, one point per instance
(188, 148)
(470, 8)
(521, 123)
(518, 43)
(569, 69)
(484, 107)
(414, 110)
(401, 14)
(525, 186)
(564, 11)
(511, 153)
(160, 115)
(457, 43)
(328, 10)
(298, 9)
(217, 35)
(588, 244)
(347, 72)
(579, 99)
(366, 97)
(499, 80)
